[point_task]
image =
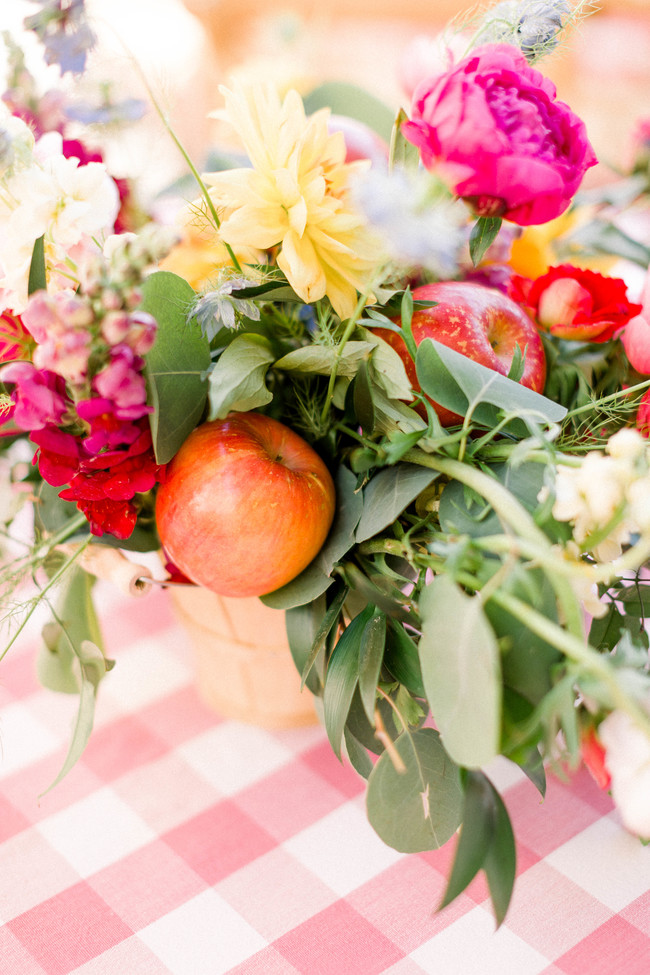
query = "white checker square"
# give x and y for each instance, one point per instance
(95, 832)
(204, 935)
(503, 773)
(146, 672)
(491, 952)
(24, 739)
(342, 849)
(232, 756)
(618, 875)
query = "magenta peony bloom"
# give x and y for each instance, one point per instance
(493, 129)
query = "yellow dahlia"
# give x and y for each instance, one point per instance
(296, 197)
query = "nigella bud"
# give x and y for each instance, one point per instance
(540, 24)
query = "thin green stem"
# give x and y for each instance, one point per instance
(349, 329)
(626, 393)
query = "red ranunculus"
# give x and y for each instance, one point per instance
(574, 303)
(493, 129)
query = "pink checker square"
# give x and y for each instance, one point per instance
(582, 785)
(275, 893)
(69, 929)
(289, 799)
(322, 760)
(16, 960)
(138, 618)
(12, 821)
(543, 825)
(218, 841)
(19, 675)
(23, 789)
(179, 717)
(120, 747)
(150, 882)
(615, 947)
(338, 940)
(32, 871)
(575, 914)
(418, 889)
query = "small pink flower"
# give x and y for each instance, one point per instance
(38, 395)
(107, 430)
(123, 384)
(493, 129)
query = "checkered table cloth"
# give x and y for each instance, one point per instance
(182, 843)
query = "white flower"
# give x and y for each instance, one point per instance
(627, 749)
(57, 198)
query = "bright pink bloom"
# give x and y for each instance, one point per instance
(38, 395)
(574, 303)
(15, 340)
(122, 382)
(494, 130)
(107, 430)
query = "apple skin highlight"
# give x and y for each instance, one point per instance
(245, 505)
(481, 323)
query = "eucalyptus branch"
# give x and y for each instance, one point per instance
(512, 514)
(578, 651)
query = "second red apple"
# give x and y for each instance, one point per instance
(481, 323)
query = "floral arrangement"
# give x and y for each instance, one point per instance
(465, 575)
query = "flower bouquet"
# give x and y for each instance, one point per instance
(400, 401)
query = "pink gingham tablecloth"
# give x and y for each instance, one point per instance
(183, 843)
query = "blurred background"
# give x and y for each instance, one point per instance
(186, 48)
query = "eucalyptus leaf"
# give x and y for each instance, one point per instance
(482, 235)
(371, 655)
(238, 380)
(388, 367)
(177, 364)
(92, 667)
(342, 678)
(57, 663)
(37, 279)
(320, 359)
(362, 399)
(418, 807)
(402, 660)
(317, 577)
(388, 493)
(459, 656)
(455, 381)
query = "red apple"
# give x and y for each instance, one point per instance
(245, 505)
(481, 323)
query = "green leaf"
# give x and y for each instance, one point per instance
(320, 359)
(362, 399)
(402, 660)
(354, 102)
(37, 280)
(325, 627)
(359, 758)
(317, 577)
(303, 626)
(483, 233)
(387, 494)
(459, 656)
(475, 836)
(342, 678)
(403, 154)
(388, 368)
(57, 664)
(501, 861)
(454, 381)
(363, 730)
(93, 667)
(371, 655)
(238, 380)
(486, 842)
(406, 314)
(176, 365)
(417, 808)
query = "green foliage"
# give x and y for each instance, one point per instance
(482, 235)
(237, 381)
(346, 99)
(37, 279)
(177, 365)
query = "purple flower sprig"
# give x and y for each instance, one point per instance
(62, 28)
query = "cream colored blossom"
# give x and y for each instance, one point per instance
(295, 196)
(604, 488)
(627, 759)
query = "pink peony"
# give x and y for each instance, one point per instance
(493, 129)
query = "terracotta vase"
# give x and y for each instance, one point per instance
(244, 668)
